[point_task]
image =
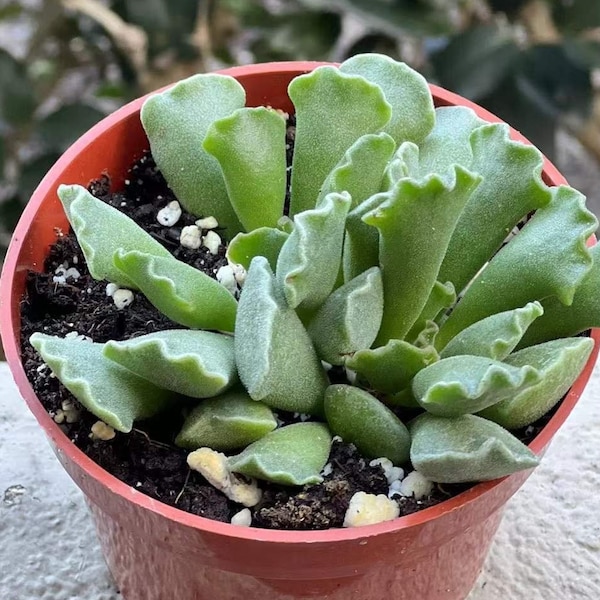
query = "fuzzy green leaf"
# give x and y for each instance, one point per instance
(292, 455)
(250, 147)
(181, 292)
(415, 225)
(264, 241)
(413, 115)
(199, 364)
(349, 319)
(333, 110)
(548, 257)
(98, 243)
(275, 357)
(496, 336)
(512, 187)
(360, 419)
(467, 384)
(227, 422)
(560, 362)
(442, 296)
(391, 368)
(309, 261)
(466, 448)
(110, 392)
(176, 122)
(405, 163)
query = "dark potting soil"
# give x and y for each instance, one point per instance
(147, 458)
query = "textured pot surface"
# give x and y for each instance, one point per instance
(157, 552)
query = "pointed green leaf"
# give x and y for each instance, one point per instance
(275, 357)
(560, 362)
(512, 187)
(264, 241)
(442, 296)
(333, 110)
(467, 384)
(176, 122)
(292, 455)
(405, 163)
(349, 319)
(199, 364)
(227, 422)
(250, 147)
(413, 115)
(181, 292)
(391, 368)
(466, 448)
(496, 336)
(106, 389)
(548, 257)
(310, 258)
(101, 230)
(415, 225)
(360, 419)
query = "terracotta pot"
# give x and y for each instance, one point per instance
(157, 552)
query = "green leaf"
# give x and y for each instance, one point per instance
(547, 258)
(292, 455)
(407, 92)
(250, 147)
(32, 172)
(275, 357)
(62, 127)
(101, 230)
(333, 110)
(113, 394)
(349, 319)
(404, 163)
(560, 362)
(179, 291)
(466, 448)
(415, 226)
(360, 419)
(176, 122)
(199, 364)
(442, 296)
(230, 421)
(496, 336)
(309, 261)
(511, 188)
(392, 367)
(467, 384)
(17, 99)
(264, 241)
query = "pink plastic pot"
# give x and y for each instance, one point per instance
(157, 552)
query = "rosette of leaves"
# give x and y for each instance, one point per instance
(392, 262)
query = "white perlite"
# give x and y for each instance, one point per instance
(369, 509)
(214, 468)
(414, 484)
(226, 278)
(190, 237)
(63, 273)
(242, 518)
(102, 431)
(111, 288)
(207, 223)
(73, 335)
(239, 272)
(212, 241)
(122, 298)
(170, 214)
(391, 472)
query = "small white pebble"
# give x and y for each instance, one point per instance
(212, 241)
(414, 484)
(170, 214)
(395, 488)
(239, 273)
(72, 273)
(226, 278)
(75, 259)
(207, 223)
(122, 298)
(59, 417)
(327, 470)
(391, 472)
(111, 288)
(242, 518)
(190, 237)
(102, 431)
(60, 270)
(59, 279)
(73, 335)
(337, 438)
(369, 509)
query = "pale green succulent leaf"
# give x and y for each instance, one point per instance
(250, 147)
(332, 111)
(442, 297)
(176, 122)
(291, 455)
(264, 241)
(181, 292)
(404, 163)
(427, 335)
(466, 448)
(467, 384)
(110, 392)
(199, 364)
(560, 362)
(276, 360)
(98, 243)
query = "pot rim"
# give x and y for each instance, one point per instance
(10, 337)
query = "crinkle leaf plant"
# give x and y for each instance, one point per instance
(393, 263)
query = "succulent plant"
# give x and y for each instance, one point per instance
(401, 262)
